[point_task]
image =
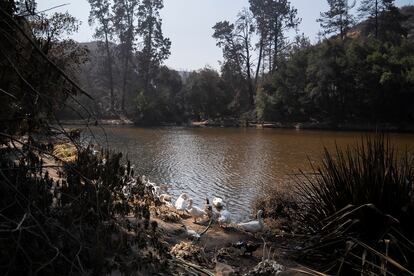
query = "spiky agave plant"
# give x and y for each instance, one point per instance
(359, 209)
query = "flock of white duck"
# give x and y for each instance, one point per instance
(220, 212)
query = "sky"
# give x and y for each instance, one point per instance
(188, 23)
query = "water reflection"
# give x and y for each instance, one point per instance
(235, 163)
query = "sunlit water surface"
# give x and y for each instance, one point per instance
(226, 162)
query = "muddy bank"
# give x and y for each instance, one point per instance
(102, 122)
(386, 127)
(216, 251)
(232, 122)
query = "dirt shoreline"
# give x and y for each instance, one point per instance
(233, 123)
(217, 253)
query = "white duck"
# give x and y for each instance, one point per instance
(253, 226)
(218, 203)
(181, 202)
(191, 233)
(154, 187)
(225, 217)
(146, 181)
(156, 190)
(195, 212)
(166, 199)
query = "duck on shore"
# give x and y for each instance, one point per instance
(225, 216)
(166, 199)
(151, 185)
(194, 211)
(253, 226)
(191, 233)
(181, 202)
(248, 247)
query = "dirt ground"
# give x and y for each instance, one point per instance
(216, 245)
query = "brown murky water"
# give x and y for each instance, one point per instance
(232, 162)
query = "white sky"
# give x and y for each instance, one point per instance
(188, 23)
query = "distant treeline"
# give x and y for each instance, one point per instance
(360, 71)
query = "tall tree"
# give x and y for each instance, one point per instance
(224, 33)
(125, 26)
(274, 18)
(337, 19)
(156, 48)
(383, 19)
(371, 9)
(245, 28)
(101, 15)
(235, 40)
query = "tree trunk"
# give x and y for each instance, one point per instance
(124, 82)
(148, 57)
(276, 41)
(109, 60)
(249, 76)
(256, 78)
(270, 56)
(376, 19)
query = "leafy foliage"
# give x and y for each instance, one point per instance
(338, 19)
(33, 57)
(203, 104)
(358, 80)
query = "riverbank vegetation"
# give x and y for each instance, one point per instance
(353, 214)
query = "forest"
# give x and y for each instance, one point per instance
(359, 71)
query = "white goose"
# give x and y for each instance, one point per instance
(225, 216)
(195, 211)
(253, 226)
(181, 202)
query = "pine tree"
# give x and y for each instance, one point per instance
(338, 19)
(274, 18)
(383, 19)
(371, 9)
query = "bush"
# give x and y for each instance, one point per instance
(94, 220)
(359, 209)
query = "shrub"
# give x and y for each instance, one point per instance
(94, 220)
(359, 209)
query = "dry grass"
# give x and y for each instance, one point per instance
(66, 152)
